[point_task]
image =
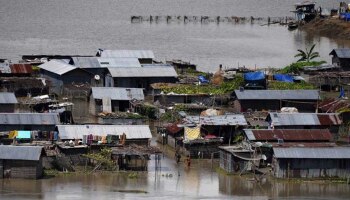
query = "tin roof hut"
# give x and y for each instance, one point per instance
(21, 161)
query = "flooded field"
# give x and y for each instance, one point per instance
(172, 181)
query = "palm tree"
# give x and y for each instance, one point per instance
(307, 55)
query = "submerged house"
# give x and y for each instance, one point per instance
(142, 77)
(287, 135)
(112, 99)
(203, 134)
(28, 121)
(311, 162)
(258, 100)
(341, 58)
(8, 102)
(239, 158)
(144, 56)
(329, 121)
(106, 134)
(21, 161)
(269, 138)
(61, 74)
(134, 157)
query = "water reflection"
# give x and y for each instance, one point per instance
(273, 188)
(198, 181)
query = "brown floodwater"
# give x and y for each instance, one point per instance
(171, 181)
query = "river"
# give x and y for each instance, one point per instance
(200, 181)
(83, 26)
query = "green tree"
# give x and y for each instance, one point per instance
(307, 55)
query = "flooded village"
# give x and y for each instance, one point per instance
(124, 124)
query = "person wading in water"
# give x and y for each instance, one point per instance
(177, 157)
(188, 161)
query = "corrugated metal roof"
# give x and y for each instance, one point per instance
(8, 152)
(86, 62)
(143, 72)
(116, 93)
(127, 54)
(283, 119)
(67, 132)
(57, 67)
(314, 152)
(21, 68)
(157, 65)
(7, 98)
(119, 62)
(278, 94)
(29, 118)
(229, 120)
(288, 134)
(341, 53)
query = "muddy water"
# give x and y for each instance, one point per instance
(200, 181)
(83, 26)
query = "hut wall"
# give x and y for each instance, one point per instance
(56, 84)
(109, 82)
(141, 82)
(92, 106)
(171, 141)
(137, 163)
(74, 155)
(168, 99)
(1, 169)
(146, 60)
(121, 121)
(98, 107)
(98, 71)
(335, 60)
(201, 150)
(7, 108)
(11, 127)
(344, 63)
(76, 76)
(276, 105)
(226, 161)
(260, 105)
(141, 142)
(115, 106)
(23, 169)
(229, 163)
(312, 168)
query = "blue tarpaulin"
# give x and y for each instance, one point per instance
(254, 76)
(283, 78)
(202, 79)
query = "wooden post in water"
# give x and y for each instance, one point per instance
(268, 20)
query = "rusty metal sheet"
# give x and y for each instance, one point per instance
(289, 134)
(21, 68)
